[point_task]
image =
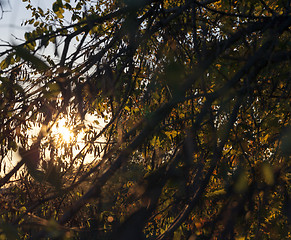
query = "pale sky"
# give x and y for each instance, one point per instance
(14, 14)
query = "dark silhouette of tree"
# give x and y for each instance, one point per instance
(195, 96)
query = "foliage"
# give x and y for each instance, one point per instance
(195, 100)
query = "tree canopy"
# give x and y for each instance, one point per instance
(150, 119)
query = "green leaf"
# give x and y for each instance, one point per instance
(53, 92)
(56, 7)
(13, 145)
(286, 142)
(36, 62)
(37, 175)
(4, 64)
(53, 177)
(241, 183)
(268, 173)
(9, 60)
(27, 36)
(9, 231)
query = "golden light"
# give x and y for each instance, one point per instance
(60, 131)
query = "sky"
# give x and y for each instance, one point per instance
(14, 14)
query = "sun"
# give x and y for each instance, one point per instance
(61, 132)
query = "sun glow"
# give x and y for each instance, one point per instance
(62, 132)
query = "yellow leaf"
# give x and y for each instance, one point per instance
(59, 14)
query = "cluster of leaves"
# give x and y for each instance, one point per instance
(195, 99)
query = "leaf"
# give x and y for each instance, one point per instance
(4, 64)
(241, 183)
(59, 13)
(31, 156)
(7, 61)
(56, 7)
(286, 142)
(9, 231)
(216, 193)
(36, 62)
(268, 173)
(53, 92)
(127, 108)
(13, 145)
(37, 175)
(53, 177)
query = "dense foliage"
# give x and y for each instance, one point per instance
(173, 118)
